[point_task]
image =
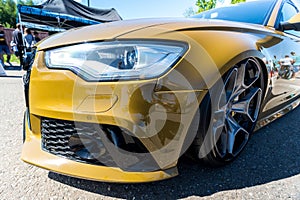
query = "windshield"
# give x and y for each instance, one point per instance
(254, 12)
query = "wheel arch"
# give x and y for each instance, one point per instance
(257, 55)
(239, 59)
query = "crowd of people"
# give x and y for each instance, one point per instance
(22, 41)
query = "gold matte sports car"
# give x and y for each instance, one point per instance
(122, 101)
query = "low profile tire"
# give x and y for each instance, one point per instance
(228, 114)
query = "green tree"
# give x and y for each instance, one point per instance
(27, 2)
(237, 1)
(8, 11)
(209, 4)
(205, 5)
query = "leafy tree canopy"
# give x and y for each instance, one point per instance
(8, 11)
(209, 4)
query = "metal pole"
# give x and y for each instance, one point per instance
(88, 2)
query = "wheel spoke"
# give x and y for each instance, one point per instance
(218, 128)
(241, 77)
(219, 120)
(233, 128)
(228, 89)
(223, 146)
(231, 83)
(234, 146)
(249, 105)
(230, 143)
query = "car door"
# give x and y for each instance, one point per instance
(283, 62)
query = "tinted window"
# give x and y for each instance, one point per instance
(287, 12)
(254, 12)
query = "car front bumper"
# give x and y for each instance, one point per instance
(33, 154)
(135, 106)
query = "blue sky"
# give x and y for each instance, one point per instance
(130, 9)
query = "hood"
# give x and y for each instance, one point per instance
(114, 30)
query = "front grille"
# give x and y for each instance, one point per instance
(65, 139)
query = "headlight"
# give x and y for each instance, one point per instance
(118, 60)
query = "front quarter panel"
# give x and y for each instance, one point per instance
(214, 50)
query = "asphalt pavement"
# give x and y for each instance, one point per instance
(269, 168)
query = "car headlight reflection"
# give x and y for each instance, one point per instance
(118, 60)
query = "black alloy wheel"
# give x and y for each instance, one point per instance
(228, 114)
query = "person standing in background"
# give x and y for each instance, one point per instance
(296, 61)
(17, 43)
(36, 37)
(4, 49)
(29, 39)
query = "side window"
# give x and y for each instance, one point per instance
(287, 12)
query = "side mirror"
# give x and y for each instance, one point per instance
(292, 24)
